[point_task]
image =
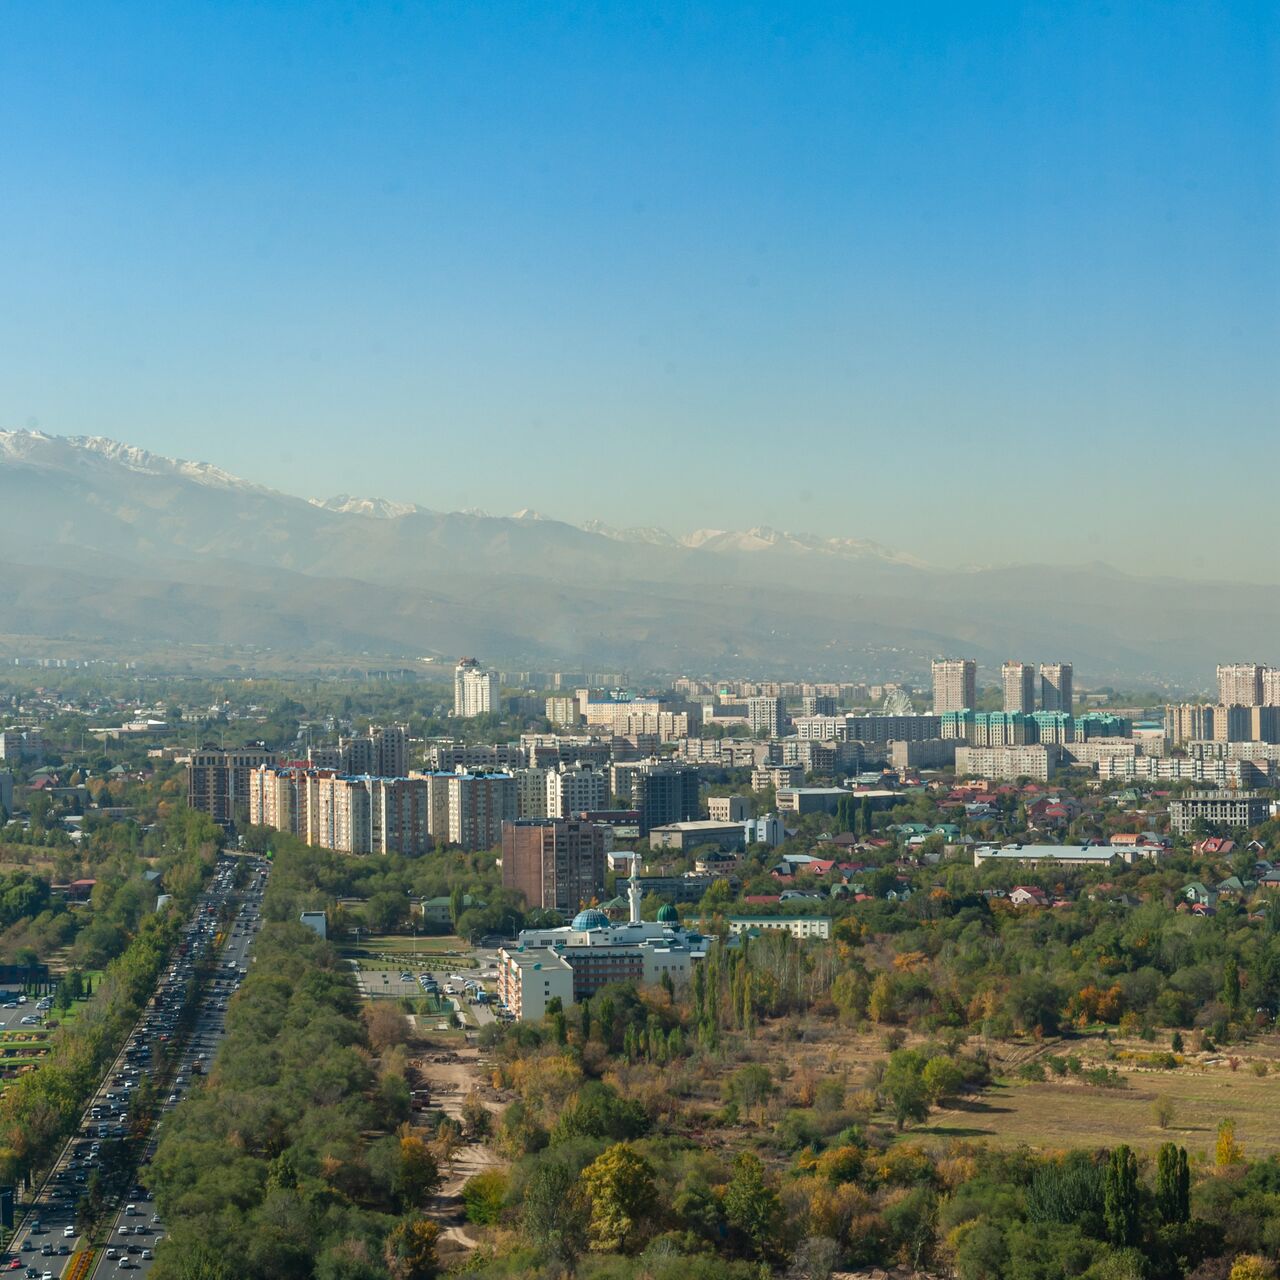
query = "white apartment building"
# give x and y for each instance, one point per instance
(955, 684)
(575, 789)
(475, 690)
(1035, 761)
(1019, 682)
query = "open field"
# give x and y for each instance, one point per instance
(381, 950)
(1061, 1114)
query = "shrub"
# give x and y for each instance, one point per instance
(483, 1196)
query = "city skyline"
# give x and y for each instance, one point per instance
(890, 236)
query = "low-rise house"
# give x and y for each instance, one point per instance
(1028, 895)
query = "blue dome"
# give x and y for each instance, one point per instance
(590, 919)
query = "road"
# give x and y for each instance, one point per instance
(47, 1236)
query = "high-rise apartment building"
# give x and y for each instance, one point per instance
(555, 863)
(955, 684)
(662, 791)
(576, 788)
(1019, 680)
(766, 717)
(1271, 686)
(531, 792)
(818, 704)
(1240, 684)
(364, 814)
(218, 779)
(475, 690)
(479, 803)
(1056, 693)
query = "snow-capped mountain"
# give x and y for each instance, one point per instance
(107, 541)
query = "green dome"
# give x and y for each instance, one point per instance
(668, 915)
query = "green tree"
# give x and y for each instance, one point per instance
(942, 1078)
(556, 1213)
(1120, 1197)
(904, 1086)
(752, 1206)
(620, 1185)
(1173, 1184)
(483, 1196)
(1231, 985)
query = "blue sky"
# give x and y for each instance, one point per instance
(984, 282)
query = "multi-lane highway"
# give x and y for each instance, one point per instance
(161, 1058)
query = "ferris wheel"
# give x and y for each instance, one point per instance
(897, 702)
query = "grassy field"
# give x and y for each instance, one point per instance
(1062, 1112)
(382, 951)
(1067, 1114)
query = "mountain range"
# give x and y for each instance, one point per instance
(108, 544)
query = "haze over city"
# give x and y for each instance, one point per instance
(988, 284)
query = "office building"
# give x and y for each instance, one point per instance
(475, 690)
(555, 863)
(728, 808)
(684, 837)
(1019, 682)
(955, 684)
(218, 779)
(1056, 693)
(800, 927)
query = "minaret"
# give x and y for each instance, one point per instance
(634, 893)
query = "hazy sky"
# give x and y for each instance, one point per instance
(984, 282)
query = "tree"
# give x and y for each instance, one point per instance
(410, 1250)
(555, 1213)
(1173, 1184)
(904, 1086)
(620, 1186)
(476, 1118)
(942, 1078)
(1228, 1150)
(1252, 1266)
(1120, 1197)
(1163, 1110)
(752, 1207)
(483, 1196)
(202, 1262)
(1231, 985)
(418, 1175)
(750, 1086)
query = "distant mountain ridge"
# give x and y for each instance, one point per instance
(107, 542)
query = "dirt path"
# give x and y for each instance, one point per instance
(451, 1073)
